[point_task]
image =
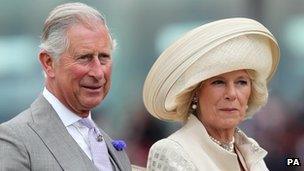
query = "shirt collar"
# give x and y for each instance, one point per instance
(67, 117)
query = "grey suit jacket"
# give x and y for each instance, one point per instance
(36, 139)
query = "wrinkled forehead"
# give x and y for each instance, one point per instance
(83, 37)
(82, 32)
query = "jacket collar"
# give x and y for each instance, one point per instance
(195, 140)
(249, 148)
(48, 126)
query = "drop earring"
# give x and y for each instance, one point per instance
(194, 102)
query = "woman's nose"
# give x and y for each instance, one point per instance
(230, 93)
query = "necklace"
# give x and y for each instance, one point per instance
(227, 146)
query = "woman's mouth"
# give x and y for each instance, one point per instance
(228, 109)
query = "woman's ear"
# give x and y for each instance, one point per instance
(47, 63)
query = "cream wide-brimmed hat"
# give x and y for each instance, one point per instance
(204, 52)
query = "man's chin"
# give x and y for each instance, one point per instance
(90, 104)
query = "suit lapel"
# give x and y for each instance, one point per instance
(111, 151)
(55, 136)
(119, 157)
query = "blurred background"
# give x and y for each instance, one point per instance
(143, 29)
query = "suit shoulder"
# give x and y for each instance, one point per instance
(23, 117)
(12, 145)
(17, 125)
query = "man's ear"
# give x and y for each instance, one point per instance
(47, 63)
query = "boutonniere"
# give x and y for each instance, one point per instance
(119, 145)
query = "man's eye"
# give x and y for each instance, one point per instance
(104, 58)
(85, 57)
(218, 82)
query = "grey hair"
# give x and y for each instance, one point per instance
(54, 38)
(257, 99)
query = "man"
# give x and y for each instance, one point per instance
(57, 132)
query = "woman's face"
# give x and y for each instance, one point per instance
(223, 99)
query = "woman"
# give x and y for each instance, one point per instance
(212, 79)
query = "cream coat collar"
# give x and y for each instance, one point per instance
(204, 153)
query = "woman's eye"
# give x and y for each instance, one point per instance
(217, 82)
(242, 82)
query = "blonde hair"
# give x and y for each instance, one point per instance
(257, 99)
(259, 93)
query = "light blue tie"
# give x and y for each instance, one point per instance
(98, 148)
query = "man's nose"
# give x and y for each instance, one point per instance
(96, 69)
(230, 93)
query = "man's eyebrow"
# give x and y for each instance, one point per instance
(104, 54)
(84, 52)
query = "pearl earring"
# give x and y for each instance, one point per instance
(194, 102)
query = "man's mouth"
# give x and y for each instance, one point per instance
(94, 87)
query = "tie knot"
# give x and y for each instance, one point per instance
(92, 128)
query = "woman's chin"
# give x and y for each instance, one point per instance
(228, 123)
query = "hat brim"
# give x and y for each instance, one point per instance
(164, 81)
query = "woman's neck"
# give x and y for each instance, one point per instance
(222, 135)
(224, 138)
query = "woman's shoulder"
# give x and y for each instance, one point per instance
(166, 146)
(167, 154)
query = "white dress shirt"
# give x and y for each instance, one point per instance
(70, 120)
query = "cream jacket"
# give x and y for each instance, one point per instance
(191, 149)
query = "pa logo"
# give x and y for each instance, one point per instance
(293, 162)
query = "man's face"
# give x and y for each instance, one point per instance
(82, 74)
